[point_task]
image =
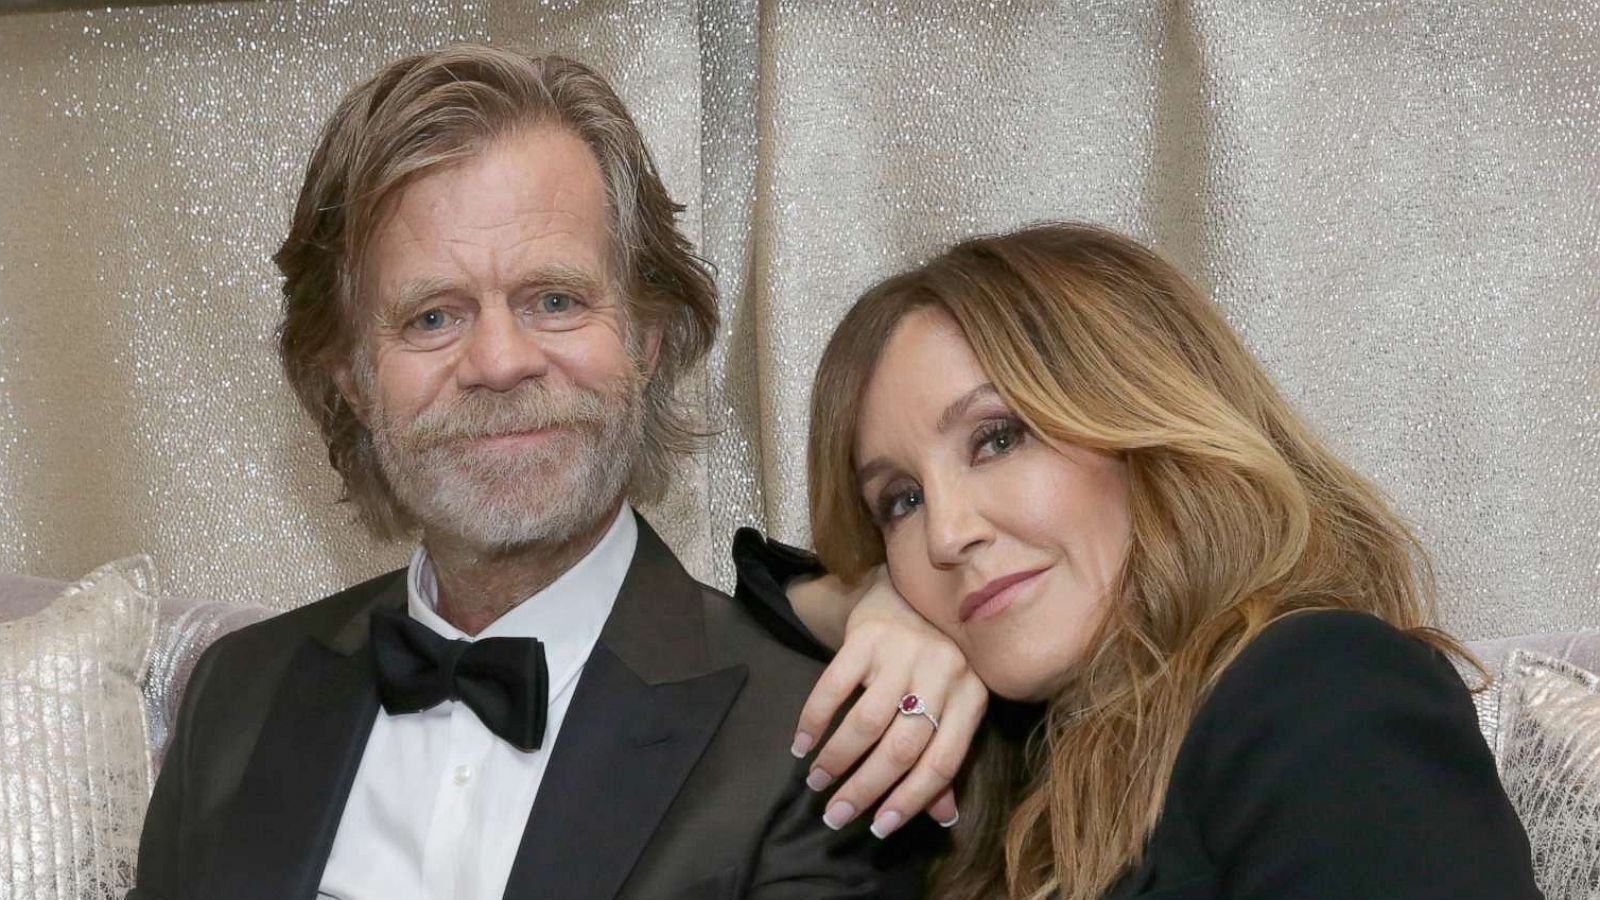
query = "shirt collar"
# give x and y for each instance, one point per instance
(566, 616)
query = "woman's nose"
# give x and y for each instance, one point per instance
(956, 526)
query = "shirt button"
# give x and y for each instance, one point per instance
(463, 774)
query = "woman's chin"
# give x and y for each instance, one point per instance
(1021, 683)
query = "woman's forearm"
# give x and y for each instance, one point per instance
(823, 605)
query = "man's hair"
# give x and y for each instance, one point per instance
(433, 110)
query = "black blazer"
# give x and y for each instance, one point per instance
(1336, 759)
(670, 778)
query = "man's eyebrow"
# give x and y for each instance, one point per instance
(557, 275)
(415, 295)
(871, 469)
(411, 298)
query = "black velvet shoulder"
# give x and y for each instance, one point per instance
(765, 567)
(1336, 758)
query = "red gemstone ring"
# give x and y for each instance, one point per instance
(911, 705)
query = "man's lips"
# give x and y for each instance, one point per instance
(996, 591)
(519, 438)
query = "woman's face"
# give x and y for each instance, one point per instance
(1003, 542)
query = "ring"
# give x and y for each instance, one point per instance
(911, 705)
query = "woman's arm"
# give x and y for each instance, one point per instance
(824, 604)
(885, 651)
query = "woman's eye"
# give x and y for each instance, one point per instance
(998, 438)
(896, 505)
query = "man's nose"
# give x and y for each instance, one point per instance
(956, 525)
(501, 352)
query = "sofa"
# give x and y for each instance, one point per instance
(92, 673)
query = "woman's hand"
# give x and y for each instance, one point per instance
(891, 651)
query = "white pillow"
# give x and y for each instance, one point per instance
(75, 766)
(1548, 746)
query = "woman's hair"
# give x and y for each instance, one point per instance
(1238, 516)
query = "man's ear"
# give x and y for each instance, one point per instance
(345, 380)
(652, 350)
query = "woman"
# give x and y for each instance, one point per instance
(1210, 633)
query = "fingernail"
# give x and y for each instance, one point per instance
(953, 820)
(838, 815)
(885, 824)
(802, 744)
(818, 779)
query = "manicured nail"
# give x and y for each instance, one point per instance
(818, 779)
(885, 824)
(838, 815)
(802, 744)
(953, 820)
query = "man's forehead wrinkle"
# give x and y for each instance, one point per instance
(539, 218)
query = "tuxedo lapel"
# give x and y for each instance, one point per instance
(647, 705)
(282, 820)
(621, 756)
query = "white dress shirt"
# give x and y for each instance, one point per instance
(439, 803)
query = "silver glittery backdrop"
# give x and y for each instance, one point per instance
(1397, 202)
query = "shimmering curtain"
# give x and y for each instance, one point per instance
(1398, 204)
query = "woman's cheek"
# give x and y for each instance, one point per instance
(915, 585)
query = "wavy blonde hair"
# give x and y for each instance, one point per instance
(1239, 515)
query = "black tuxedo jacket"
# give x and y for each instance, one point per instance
(670, 777)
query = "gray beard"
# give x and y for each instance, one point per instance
(498, 500)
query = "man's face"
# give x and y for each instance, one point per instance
(503, 399)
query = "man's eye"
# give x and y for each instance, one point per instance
(557, 303)
(432, 320)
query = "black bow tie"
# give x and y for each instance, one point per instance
(503, 680)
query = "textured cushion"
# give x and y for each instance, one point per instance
(1580, 648)
(184, 630)
(1548, 746)
(74, 766)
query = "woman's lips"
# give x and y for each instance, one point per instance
(994, 597)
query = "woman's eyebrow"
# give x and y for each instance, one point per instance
(959, 408)
(870, 470)
(947, 419)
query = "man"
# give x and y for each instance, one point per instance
(487, 305)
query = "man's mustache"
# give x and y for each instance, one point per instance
(485, 414)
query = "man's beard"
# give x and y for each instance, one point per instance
(499, 498)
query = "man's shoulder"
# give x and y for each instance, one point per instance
(284, 632)
(734, 635)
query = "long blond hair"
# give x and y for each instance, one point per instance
(1239, 515)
